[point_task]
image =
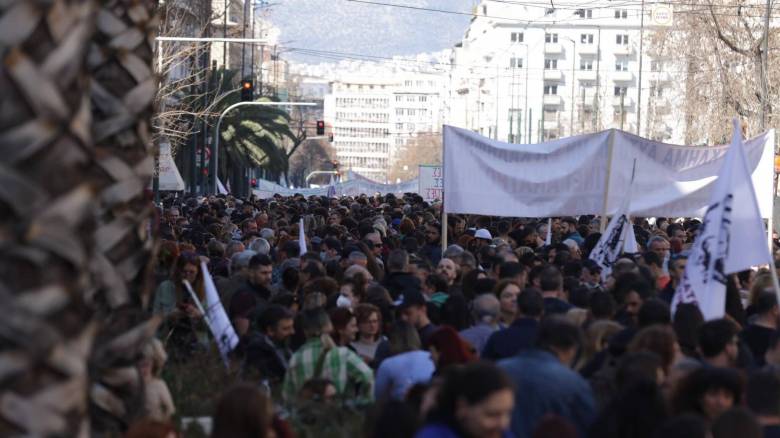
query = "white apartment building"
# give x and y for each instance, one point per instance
(371, 118)
(528, 72)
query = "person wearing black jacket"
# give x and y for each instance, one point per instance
(267, 353)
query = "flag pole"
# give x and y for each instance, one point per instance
(610, 149)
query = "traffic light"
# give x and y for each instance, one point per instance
(320, 127)
(247, 91)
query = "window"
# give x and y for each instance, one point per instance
(399, 111)
(656, 91)
(621, 65)
(550, 64)
(621, 13)
(621, 91)
(586, 38)
(399, 126)
(655, 65)
(622, 39)
(551, 38)
(423, 98)
(549, 11)
(516, 62)
(550, 89)
(398, 98)
(407, 83)
(516, 37)
(586, 64)
(584, 13)
(410, 111)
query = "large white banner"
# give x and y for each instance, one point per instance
(569, 176)
(431, 182)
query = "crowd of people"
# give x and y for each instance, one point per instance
(499, 334)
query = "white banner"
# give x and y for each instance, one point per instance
(354, 185)
(431, 183)
(568, 177)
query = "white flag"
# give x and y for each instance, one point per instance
(215, 315)
(613, 242)
(548, 239)
(731, 237)
(301, 238)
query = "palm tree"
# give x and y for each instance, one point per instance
(74, 121)
(251, 136)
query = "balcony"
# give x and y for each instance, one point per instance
(627, 101)
(588, 49)
(660, 76)
(586, 75)
(552, 100)
(623, 76)
(553, 75)
(589, 101)
(553, 48)
(623, 50)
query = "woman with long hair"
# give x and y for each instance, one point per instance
(182, 328)
(475, 401)
(408, 365)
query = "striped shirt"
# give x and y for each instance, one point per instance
(347, 371)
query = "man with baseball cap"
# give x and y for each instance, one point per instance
(413, 309)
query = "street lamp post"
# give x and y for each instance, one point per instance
(215, 153)
(573, 65)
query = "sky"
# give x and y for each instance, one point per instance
(345, 26)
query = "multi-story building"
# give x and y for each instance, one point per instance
(532, 71)
(372, 117)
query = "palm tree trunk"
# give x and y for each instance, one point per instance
(74, 241)
(123, 89)
(46, 204)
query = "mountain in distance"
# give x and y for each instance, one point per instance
(367, 29)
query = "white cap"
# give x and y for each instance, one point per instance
(483, 234)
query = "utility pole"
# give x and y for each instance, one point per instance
(571, 110)
(582, 110)
(641, 53)
(622, 108)
(764, 68)
(597, 102)
(495, 134)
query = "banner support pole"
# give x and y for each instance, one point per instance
(610, 150)
(444, 227)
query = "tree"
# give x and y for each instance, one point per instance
(251, 136)
(75, 135)
(423, 148)
(312, 155)
(723, 73)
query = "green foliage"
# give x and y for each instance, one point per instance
(251, 136)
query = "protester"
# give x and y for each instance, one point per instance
(407, 366)
(311, 326)
(243, 412)
(159, 403)
(474, 401)
(545, 382)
